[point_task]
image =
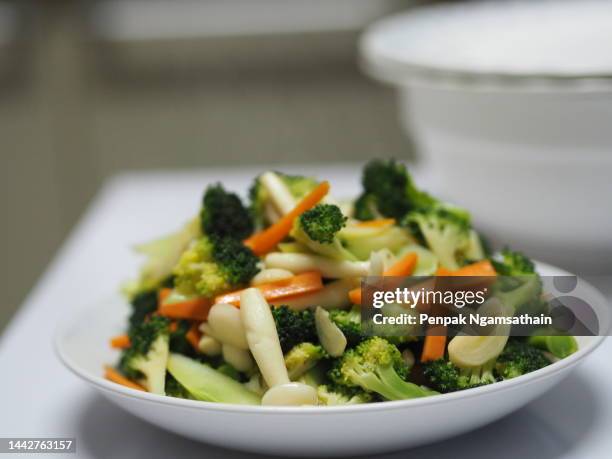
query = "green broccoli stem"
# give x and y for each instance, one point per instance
(480, 375)
(387, 383)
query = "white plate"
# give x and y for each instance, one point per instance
(82, 345)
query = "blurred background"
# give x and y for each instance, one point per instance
(90, 88)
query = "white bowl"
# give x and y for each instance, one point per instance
(82, 345)
(511, 105)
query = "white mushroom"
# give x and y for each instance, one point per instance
(270, 275)
(262, 337)
(264, 344)
(209, 346)
(290, 394)
(240, 359)
(331, 337)
(225, 324)
(302, 262)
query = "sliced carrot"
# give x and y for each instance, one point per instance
(120, 342)
(193, 309)
(193, 335)
(163, 294)
(404, 267)
(173, 326)
(355, 295)
(113, 375)
(434, 345)
(443, 272)
(264, 241)
(479, 269)
(299, 284)
(378, 223)
(481, 274)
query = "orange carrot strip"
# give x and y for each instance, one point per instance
(264, 241)
(193, 308)
(113, 375)
(163, 294)
(403, 267)
(355, 295)
(434, 345)
(481, 274)
(443, 272)
(120, 342)
(378, 223)
(193, 335)
(479, 269)
(173, 326)
(293, 286)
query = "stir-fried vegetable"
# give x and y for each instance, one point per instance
(261, 304)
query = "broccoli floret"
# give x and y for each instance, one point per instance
(519, 358)
(223, 214)
(478, 376)
(213, 265)
(332, 395)
(445, 230)
(349, 323)
(237, 261)
(143, 304)
(365, 208)
(322, 223)
(302, 358)
(513, 264)
(375, 365)
(175, 389)
(145, 360)
(317, 229)
(388, 191)
(294, 327)
(445, 376)
(520, 287)
(297, 186)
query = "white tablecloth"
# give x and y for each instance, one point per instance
(40, 398)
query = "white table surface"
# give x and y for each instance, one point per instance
(41, 398)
